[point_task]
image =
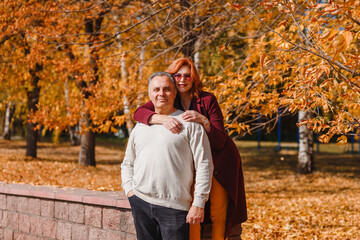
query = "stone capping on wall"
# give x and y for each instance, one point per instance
(77, 195)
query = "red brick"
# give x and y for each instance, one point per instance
(110, 235)
(97, 234)
(19, 236)
(3, 219)
(34, 206)
(47, 208)
(63, 231)
(24, 223)
(29, 237)
(23, 205)
(8, 234)
(79, 232)
(2, 201)
(127, 222)
(111, 219)
(93, 216)
(48, 227)
(76, 212)
(35, 225)
(13, 220)
(61, 210)
(130, 236)
(11, 203)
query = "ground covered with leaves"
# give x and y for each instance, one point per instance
(281, 204)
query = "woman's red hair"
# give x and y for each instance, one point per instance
(194, 75)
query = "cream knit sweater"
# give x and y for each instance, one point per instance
(160, 166)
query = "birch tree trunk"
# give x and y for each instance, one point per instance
(129, 124)
(141, 75)
(306, 153)
(197, 56)
(7, 129)
(71, 130)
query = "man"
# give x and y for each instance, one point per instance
(160, 167)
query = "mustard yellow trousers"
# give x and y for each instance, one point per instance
(218, 208)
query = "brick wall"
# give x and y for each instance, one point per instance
(38, 212)
(44, 213)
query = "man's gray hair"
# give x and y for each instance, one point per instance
(160, 74)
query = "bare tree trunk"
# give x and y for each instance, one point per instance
(306, 153)
(87, 144)
(87, 139)
(73, 140)
(8, 116)
(33, 95)
(188, 35)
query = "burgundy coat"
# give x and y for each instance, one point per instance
(227, 162)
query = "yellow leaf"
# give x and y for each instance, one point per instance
(329, 34)
(222, 48)
(342, 139)
(342, 41)
(282, 23)
(262, 59)
(236, 6)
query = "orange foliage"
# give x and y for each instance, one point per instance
(305, 56)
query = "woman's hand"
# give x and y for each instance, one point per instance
(194, 116)
(170, 123)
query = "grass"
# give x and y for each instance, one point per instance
(281, 203)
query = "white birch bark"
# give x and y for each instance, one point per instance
(305, 157)
(73, 140)
(197, 56)
(141, 74)
(129, 124)
(7, 131)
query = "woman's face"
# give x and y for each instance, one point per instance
(183, 79)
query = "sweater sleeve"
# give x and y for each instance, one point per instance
(200, 148)
(144, 112)
(217, 134)
(127, 166)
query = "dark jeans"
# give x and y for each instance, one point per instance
(157, 222)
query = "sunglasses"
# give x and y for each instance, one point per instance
(185, 76)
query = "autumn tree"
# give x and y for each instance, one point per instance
(23, 59)
(85, 37)
(305, 60)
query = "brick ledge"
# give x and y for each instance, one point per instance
(79, 195)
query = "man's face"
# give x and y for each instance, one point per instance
(162, 92)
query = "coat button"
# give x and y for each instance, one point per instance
(215, 172)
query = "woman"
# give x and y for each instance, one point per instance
(227, 196)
